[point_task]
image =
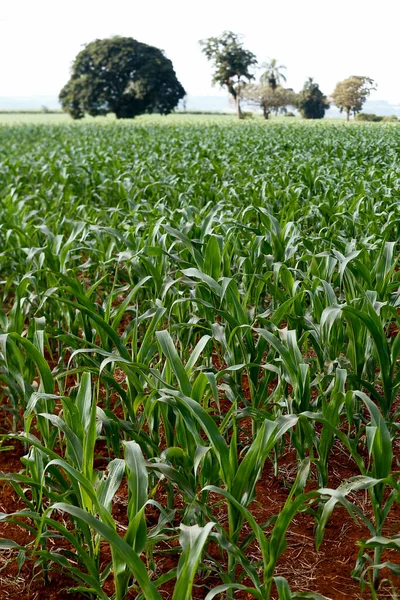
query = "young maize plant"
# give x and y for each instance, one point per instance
(199, 323)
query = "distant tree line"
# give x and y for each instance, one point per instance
(128, 78)
(233, 70)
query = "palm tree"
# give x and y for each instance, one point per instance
(273, 73)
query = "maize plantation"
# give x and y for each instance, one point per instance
(199, 360)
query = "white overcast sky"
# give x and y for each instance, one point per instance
(325, 40)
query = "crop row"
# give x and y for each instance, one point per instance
(181, 305)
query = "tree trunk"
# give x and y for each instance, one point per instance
(266, 112)
(348, 114)
(235, 93)
(238, 109)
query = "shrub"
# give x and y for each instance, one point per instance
(246, 115)
(369, 117)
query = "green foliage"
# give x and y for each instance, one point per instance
(232, 63)
(349, 95)
(311, 102)
(369, 117)
(122, 76)
(270, 99)
(272, 75)
(182, 302)
(376, 118)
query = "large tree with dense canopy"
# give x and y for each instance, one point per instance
(123, 76)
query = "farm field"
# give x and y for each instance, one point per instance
(57, 118)
(199, 360)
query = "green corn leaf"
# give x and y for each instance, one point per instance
(124, 551)
(193, 539)
(171, 354)
(234, 586)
